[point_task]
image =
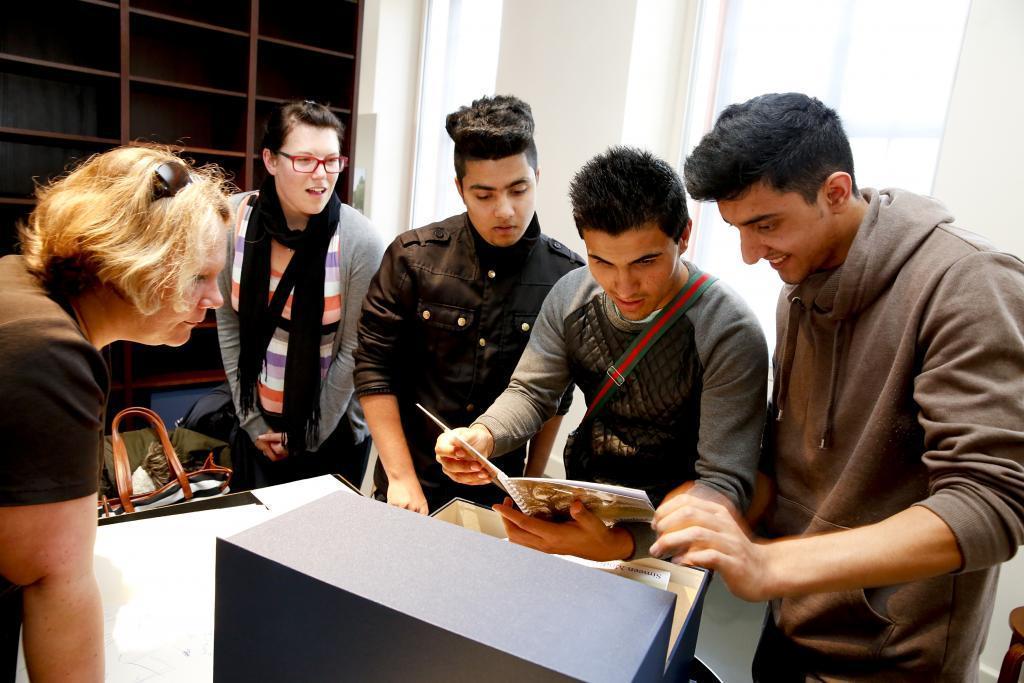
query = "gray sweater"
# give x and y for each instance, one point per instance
(732, 356)
(361, 251)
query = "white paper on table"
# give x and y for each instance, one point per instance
(285, 497)
(156, 579)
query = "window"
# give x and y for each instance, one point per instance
(460, 64)
(886, 67)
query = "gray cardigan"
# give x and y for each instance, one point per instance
(361, 253)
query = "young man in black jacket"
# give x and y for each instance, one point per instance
(451, 309)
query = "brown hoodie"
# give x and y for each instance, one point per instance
(900, 382)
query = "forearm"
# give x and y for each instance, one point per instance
(48, 549)
(733, 358)
(540, 447)
(252, 422)
(513, 419)
(385, 423)
(909, 546)
(63, 629)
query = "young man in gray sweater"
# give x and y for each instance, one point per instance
(896, 437)
(693, 408)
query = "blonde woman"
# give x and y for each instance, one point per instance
(125, 247)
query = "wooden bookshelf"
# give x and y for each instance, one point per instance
(81, 76)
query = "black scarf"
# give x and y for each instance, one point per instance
(258, 319)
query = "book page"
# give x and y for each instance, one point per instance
(624, 491)
(553, 497)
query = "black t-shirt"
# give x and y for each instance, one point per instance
(53, 388)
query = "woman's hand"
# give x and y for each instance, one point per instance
(274, 445)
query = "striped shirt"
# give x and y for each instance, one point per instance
(271, 382)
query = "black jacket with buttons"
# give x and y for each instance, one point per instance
(444, 323)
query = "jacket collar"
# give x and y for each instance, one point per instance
(505, 257)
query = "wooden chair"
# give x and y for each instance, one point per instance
(1010, 671)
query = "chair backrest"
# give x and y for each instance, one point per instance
(1014, 659)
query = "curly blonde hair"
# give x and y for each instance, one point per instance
(102, 225)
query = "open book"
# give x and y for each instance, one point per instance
(552, 497)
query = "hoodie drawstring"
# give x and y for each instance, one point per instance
(788, 352)
(796, 306)
(833, 382)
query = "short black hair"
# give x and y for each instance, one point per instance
(492, 128)
(623, 188)
(790, 141)
(284, 117)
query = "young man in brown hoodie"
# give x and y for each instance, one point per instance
(895, 439)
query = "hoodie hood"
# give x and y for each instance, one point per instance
(895, 225)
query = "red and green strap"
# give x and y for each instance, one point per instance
(621, 369)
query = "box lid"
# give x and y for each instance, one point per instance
(564, 617)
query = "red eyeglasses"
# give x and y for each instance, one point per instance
(304, 163)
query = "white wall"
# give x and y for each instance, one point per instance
(388, 96)
(978, 177)
(596, 73)
(979, 170)
(659, 69)
(570, 60)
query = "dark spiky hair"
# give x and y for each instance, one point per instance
(790, 141)
(625, 188)
(492, 128)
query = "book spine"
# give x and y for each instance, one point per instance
(513, 489)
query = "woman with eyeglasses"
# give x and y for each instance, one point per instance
(299, 264)
(127, 246)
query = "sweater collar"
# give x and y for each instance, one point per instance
(505, 257)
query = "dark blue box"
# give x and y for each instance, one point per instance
(689, 584)
(349, 588)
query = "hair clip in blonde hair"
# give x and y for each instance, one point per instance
(169, 180)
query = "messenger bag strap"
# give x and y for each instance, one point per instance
(627, 362)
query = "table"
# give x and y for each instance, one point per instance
(156, 580)
(158, 609)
